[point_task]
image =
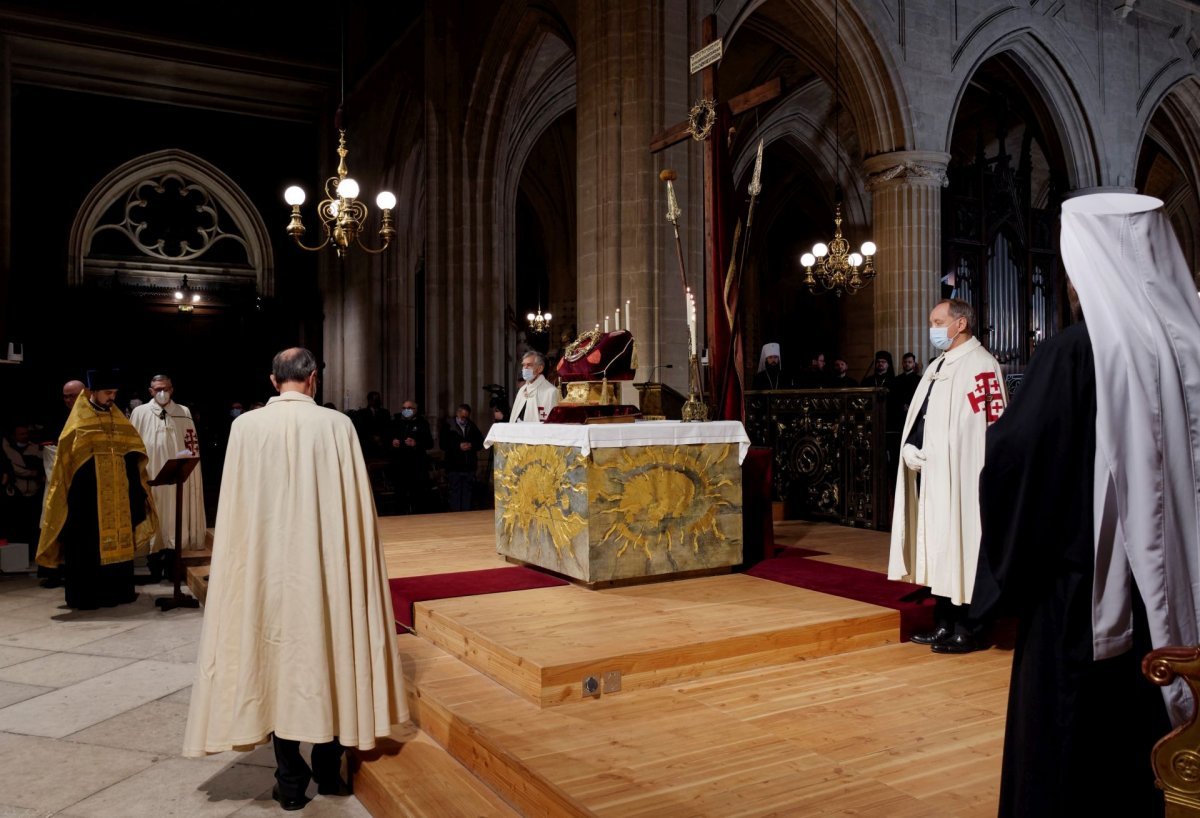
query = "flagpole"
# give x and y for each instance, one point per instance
(754, 190)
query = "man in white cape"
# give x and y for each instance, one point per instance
(538, 396)
(168, 431)
(935, 519)
(299, 638)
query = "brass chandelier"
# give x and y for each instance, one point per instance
(342, 215)
(836, 267)
(539, 322)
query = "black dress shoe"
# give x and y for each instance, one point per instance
(334, 786)
(935, 637)
(959, 643)
(51, 582)
(289, 804)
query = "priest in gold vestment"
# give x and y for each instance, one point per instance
(299, 638)
(98, 508)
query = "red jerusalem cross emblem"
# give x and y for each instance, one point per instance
(987, 397)
(189, 441)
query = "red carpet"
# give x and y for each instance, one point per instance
(792, 568)
(407, 590)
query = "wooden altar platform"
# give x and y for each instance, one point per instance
(738, 696)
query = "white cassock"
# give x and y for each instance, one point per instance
(299, 637)
(1139, 299)
(935, 532)
(167, 431)
(534, 401)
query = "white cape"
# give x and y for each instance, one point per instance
(299, 637)
(935, 533)
(534, 401)
(1143, 315)
(167, 431)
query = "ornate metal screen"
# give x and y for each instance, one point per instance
(830, 452)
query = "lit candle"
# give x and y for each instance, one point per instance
(606, 324)
(597, 328)
(618, 320)
(628, 315)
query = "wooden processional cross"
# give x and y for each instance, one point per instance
(708, 56)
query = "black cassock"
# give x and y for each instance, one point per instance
(1079, 732)
(89, 584)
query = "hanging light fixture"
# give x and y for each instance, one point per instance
(342, 215)
(836, 267)
(185, 299)
(539, 322)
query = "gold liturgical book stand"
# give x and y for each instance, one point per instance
(175, 472)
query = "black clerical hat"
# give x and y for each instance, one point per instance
(103, 379)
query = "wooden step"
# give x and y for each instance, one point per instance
(197, 582)
(894, 732)
(411, 776)
(543, 643)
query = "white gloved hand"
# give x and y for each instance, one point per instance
(913, 457)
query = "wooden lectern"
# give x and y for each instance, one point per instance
(659, 401)
(175, 472)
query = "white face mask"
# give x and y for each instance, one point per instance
(161, 397)
(527, 373)
(940, 337)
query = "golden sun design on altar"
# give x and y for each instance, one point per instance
(536, 482)
(673, 494)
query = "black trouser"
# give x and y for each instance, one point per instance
(954, 618)
(293, 774)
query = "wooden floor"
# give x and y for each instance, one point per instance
(882, 731)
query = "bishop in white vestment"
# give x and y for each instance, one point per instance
(168, 431)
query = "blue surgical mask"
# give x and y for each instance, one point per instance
(527, 373)
(940, 338)
(407, 413)
(234, 412)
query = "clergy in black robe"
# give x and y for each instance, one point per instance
(98, 505)
(1079, 732)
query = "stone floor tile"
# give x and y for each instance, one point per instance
(14, 656)
(155, 727)
(11, 626)
(320, 807)
(179, 787)
(63, 635)
(7, 811)
(150, 639)
(61, 669)
(11, 693)
(180, 653)
(71, 709)
(182, 696)
(48, 775)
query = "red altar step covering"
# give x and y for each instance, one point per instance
(409, 590)
(792, 567)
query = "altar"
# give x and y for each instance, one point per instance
(622, 501)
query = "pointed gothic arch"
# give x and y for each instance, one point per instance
(171, 213)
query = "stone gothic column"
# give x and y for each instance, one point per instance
(632, 76)
(906, 189)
